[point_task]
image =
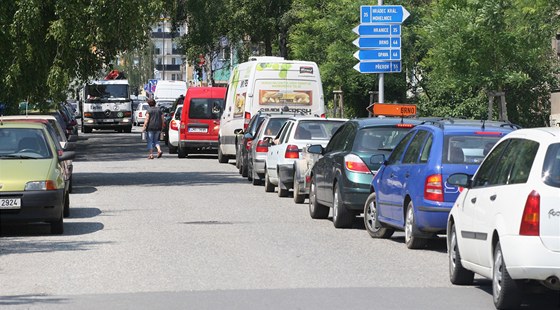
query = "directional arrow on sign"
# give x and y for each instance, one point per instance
(378, 30)
(376, 55)
(383, 14)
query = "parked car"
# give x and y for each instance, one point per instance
(409, 192)
(244, 140)
(34, 187)
(140, 113)
(297, 133)
(256, 155)
(341, 178)
(173, 134)
(505, 224)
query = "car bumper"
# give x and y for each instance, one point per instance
(356, 190)
(36, 206)
(258, 166)
(432, 216)
(199, 144)
(527, 258)
(101, 124)
(286, 175)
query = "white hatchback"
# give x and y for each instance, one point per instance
(505, 224)
(140, 113)
(174, 125)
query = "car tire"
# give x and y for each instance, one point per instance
(374, 228)
(244, 170)
(57, 227)
(181, 152)
(66, 209)
(458, 275)
(342, 217)
(281, 191)
(222, 159)
(298, 197)
(411, 240)
(268, 187)
(506, 291)
(316, 210)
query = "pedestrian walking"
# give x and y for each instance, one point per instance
(153, 126)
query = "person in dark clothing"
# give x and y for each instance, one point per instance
(153, 126)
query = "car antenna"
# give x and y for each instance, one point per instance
(483, 124)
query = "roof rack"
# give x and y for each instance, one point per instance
(441, 122)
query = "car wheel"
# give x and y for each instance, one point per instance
(505, 290)
(268, 187)
(412, 241)
(66, 212)
(244, 170)
(222, 159)
(457, 273)
(342, 218)
(298, 197)
(281, 191)
(181, 152)
(316, 210)
(57, 227)
(373, 227)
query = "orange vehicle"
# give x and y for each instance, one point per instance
(200, 120)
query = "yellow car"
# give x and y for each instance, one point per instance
(32, 180)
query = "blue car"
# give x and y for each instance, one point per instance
(410, 192)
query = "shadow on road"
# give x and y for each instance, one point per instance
(535, 296)
(43, 229)
(29, 300)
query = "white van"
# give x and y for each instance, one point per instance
(270, 85)
(169, 90)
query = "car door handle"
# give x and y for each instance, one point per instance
(493, 197)
(473, 200)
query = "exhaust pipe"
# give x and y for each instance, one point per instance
(552, 283)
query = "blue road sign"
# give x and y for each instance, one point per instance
(378, 54)
(378, 67)
(378, 30)
(378, 42)
(395, 14)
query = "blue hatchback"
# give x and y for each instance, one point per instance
(410, 192)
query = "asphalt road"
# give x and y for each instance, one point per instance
(191, 233)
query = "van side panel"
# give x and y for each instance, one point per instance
(271, 86)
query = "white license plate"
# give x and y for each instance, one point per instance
(10, 203)
(198, 129)
(108, 120)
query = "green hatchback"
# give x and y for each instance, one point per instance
(32, 180)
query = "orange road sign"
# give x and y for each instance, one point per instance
(394, 109)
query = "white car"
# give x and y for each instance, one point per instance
(174, 125)
(140, 113)
(505, 224)
(297, 133)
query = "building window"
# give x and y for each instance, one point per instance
(173, 76)
(173, 61)
(159, 61)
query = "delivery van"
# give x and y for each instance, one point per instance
(269, 85)
(200, 120)
(169, 90)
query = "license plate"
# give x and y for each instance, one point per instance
(198, 129)
(108, 120)
(10, 203)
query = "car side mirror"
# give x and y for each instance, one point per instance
(248, 136)
(460, 179)
(315, 149)
(238, 131)
(69, 146)
(66, 156)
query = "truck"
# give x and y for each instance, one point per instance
(106, 104)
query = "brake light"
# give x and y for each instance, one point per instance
(323, 115)
(489, 133)
(405, 125)
(354, 163)
(292, 151)
(433, 188)
(248, 144)
(173, 125)
(247, 119)
(262, 147)
(140, 114)
(530, 221)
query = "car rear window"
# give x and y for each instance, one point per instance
(467, 149)
(316, 130)
(25, 143)
(206, 108)
(378, 138)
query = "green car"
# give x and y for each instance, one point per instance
(32, 180)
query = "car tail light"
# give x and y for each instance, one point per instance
(405, 125)
(530, 221)
(247, 120)
(248, 144)
(433, 188)
(262, 147)
(88, 114)
(323, 115)
(173, 125)
(140, 114)
(292, 151)
(127, 114)
(354, 163)
(489, 133)
(47, 185)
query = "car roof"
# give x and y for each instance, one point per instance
(30, 117)
(545, 134)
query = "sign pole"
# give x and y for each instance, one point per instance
(381, 94)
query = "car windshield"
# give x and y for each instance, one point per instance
(467, 149)
(378, 138)
(316, 129)
(23, 143)
(98, 91)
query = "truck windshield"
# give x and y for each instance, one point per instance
(97, 91)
